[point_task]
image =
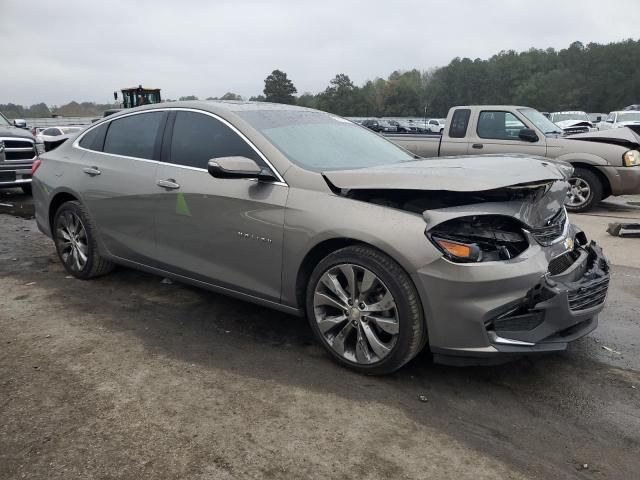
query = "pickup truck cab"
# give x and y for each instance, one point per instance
(605, 163)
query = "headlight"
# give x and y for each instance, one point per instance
(481, 238)
(631, 158)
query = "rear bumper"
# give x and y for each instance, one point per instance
(491, 315)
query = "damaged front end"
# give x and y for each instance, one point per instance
(515, 276)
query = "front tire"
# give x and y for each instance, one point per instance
(75, 239)
(585, 191)
(365, 311)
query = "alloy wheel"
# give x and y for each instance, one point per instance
(578, 193)
(71, 239)
(356, 313)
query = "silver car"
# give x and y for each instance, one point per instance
(311, 214)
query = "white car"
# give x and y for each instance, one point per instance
(573, 122)
(623, 118)
(53, 134)
(51, 137)
(436, 125)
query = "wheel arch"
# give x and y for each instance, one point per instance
(321, 250)
(604, 180)
(57, 200)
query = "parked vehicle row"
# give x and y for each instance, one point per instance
(240, 198)
(605, 163)
(433, 125)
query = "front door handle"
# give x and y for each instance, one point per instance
(93, 171)
(169, 183)
(477, 145)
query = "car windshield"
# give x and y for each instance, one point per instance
(629, 116)
(3, 121)
(319, 141)
(541, 122)
(562, 116)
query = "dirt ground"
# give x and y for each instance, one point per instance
(127, 377)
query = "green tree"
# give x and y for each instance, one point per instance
(278, 88)
(258, 98)
(231, 96)
(188, 97)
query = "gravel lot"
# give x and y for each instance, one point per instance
(127, 377)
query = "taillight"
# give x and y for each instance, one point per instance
(35, 166)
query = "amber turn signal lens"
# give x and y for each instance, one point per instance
(456, 249)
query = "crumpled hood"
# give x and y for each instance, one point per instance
(456, 174)
(15, 132)
(626, 137)
(574, 123)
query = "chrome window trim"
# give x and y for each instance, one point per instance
(76, 143)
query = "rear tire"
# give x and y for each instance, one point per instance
(75, 239)
(585, 191)
(375, 327)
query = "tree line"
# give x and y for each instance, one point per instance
(592, 77)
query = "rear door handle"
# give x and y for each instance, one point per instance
(169, 183)
(93, 171)
(477, 145)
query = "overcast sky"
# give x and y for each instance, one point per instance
(58, 51)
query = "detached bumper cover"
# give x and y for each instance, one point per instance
(492, 314)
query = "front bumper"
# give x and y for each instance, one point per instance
(538, 302)
(15, 174)
(629, 180)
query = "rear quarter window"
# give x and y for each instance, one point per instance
(94, 138)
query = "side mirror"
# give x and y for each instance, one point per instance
(238, 167)
(20, 123)
(528, 135)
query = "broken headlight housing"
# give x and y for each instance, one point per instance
(631, 158)
(479, 238)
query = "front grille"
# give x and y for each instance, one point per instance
(547, 234)
(575, 130)
(590, 295)
(563, 262)
(518, 323)
(18, 149)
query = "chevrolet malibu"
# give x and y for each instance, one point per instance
(303, 211)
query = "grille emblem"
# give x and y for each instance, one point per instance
(2, 154)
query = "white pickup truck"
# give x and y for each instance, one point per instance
(605, 163)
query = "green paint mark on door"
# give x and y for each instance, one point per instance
(181, 205)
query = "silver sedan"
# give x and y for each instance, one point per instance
(303, 211)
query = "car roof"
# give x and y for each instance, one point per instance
(220, 107)
(569, 111)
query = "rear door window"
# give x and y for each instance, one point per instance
(135, 136)
(197, 138)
